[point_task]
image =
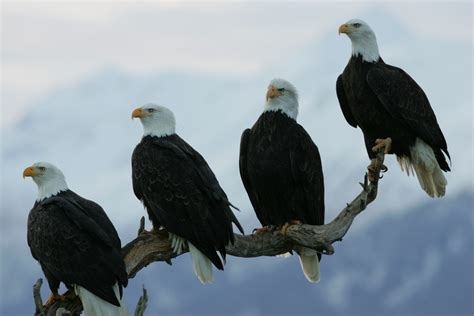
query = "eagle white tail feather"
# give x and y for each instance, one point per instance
(177, 243)
(95, 306)
(201, 264)
(433, 182)
(309, 264)
(423, 163)
(405, 165)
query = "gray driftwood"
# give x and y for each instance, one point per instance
(148, 248)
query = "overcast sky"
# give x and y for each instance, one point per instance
(46, 45)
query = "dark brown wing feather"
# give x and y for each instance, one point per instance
(244, 172)
(341, 96)
(307, 173)
(404, 99)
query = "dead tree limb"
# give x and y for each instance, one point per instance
(142, 303)
(149, 248)
(39, 308)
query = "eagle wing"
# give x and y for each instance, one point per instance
(243, 167)
(74, 248)
(341, 96)
(307, 174)
(209, 180)
(95, 212)
(404, 99)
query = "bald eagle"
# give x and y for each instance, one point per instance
(180, 192)
(75, 243)
(281, 169)
(392, 111)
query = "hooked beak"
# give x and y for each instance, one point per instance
(273, 92)
(344, 28)
(29, 172)
(138, 112)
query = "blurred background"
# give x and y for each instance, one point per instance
(73, 72)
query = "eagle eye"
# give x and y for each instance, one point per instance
(357, 25)
(151, 110)
(42, 168)
(281, 89)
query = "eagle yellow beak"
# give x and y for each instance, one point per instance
(273, 92)
(29, 172)
(344, 28)
(138, 112)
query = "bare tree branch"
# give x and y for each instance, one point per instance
(37, 298)
(148, 248)
(142, 303)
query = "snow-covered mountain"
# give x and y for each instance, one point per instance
(85, 129)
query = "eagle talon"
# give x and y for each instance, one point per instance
(284, 227)
(386, 144)
(262, 230)
(55, 297)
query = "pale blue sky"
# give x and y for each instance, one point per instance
(46, 45)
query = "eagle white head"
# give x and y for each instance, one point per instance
(49, 179)
(363, 39)
(282, 96)
(157, 120)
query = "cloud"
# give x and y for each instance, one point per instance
(415, 281)
(49, 44)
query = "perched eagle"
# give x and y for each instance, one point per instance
(392, 111)
(75, 243)
(281, 169)
(180, 192)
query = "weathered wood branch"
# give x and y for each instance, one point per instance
(148, 248)
(37, 298)
(142, 303)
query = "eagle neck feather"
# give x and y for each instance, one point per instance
(285, 107)
(367, 48)
(51, 188)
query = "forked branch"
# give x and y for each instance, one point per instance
(149, 248)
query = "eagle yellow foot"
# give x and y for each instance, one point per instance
(284, 227)
(264, 229)
(55, 297)
(385, 143)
